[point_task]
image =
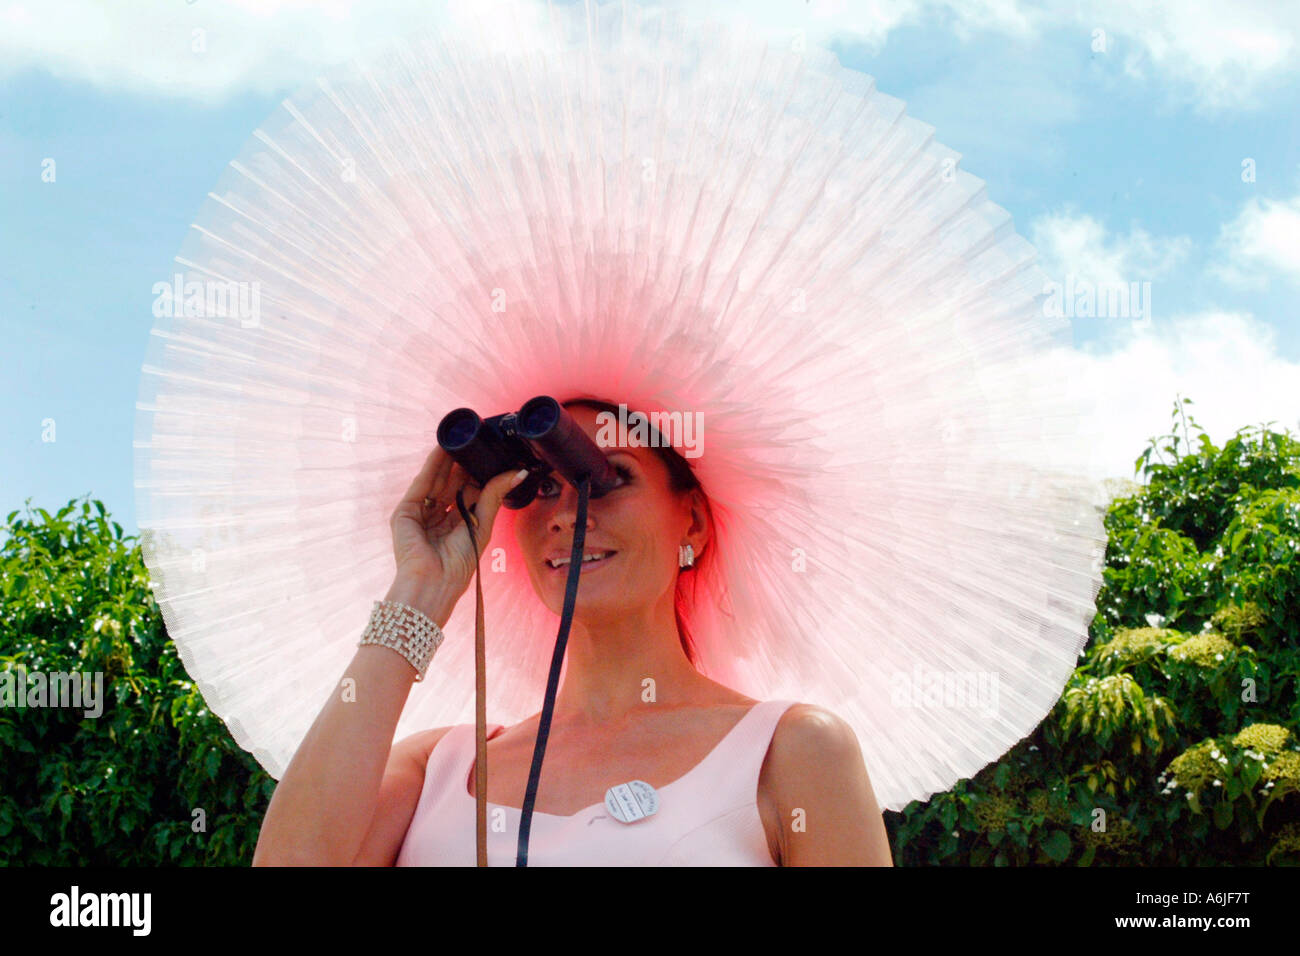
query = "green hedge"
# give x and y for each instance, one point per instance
(1174, 742)
(156, 778)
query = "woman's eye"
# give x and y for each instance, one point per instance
(550, 487)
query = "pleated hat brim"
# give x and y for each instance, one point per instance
(678, 219)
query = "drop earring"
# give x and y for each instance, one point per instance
(685, 556)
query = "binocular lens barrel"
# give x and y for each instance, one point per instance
(564, 445)
(538, 416)
(458, 429)
(479, 446)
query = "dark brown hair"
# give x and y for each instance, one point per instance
(681, 481)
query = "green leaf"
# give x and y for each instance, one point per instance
(1223, 814)
(211, 761)
(1056, 846)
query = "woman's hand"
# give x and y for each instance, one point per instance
(434, 554)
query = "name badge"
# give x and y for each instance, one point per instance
(631, 801)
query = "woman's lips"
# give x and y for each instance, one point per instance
(587, 566)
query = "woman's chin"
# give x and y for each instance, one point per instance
(597, 600)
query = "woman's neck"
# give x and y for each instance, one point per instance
(615, 667)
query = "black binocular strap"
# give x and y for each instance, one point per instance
(552, 683)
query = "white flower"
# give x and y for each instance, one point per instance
(1218, 657)
(1218, 783)
(1155, 620)
(1269, 785)
(954, 832)
(1214, 755)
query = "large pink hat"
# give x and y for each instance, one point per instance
(679, 219)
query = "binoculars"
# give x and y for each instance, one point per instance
(542, 437)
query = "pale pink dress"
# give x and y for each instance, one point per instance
(708, 817)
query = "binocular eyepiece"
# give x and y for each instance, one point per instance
(542, 437)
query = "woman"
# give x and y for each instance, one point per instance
(632, 705)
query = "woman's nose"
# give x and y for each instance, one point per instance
(565, 514)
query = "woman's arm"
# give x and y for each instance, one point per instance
(326, 802)
(399, 795)
(815, 777)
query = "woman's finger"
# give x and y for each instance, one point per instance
(435, 467)
(494, 494)
(442, 496)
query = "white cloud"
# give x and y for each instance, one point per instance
(211, 49)
(1226, 362)
(1263, 240)
(1078, 245)
(1215, 54)
(1220, 53)
(866, 23)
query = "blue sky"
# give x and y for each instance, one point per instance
(1119, 138)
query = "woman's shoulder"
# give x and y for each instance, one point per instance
(813, 721)
(807, 732)
(803, 732)
(810, 743)
(799, 721)
(419, 745)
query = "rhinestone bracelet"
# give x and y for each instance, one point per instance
(403, 629)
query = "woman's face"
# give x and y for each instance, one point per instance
(638, 525)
